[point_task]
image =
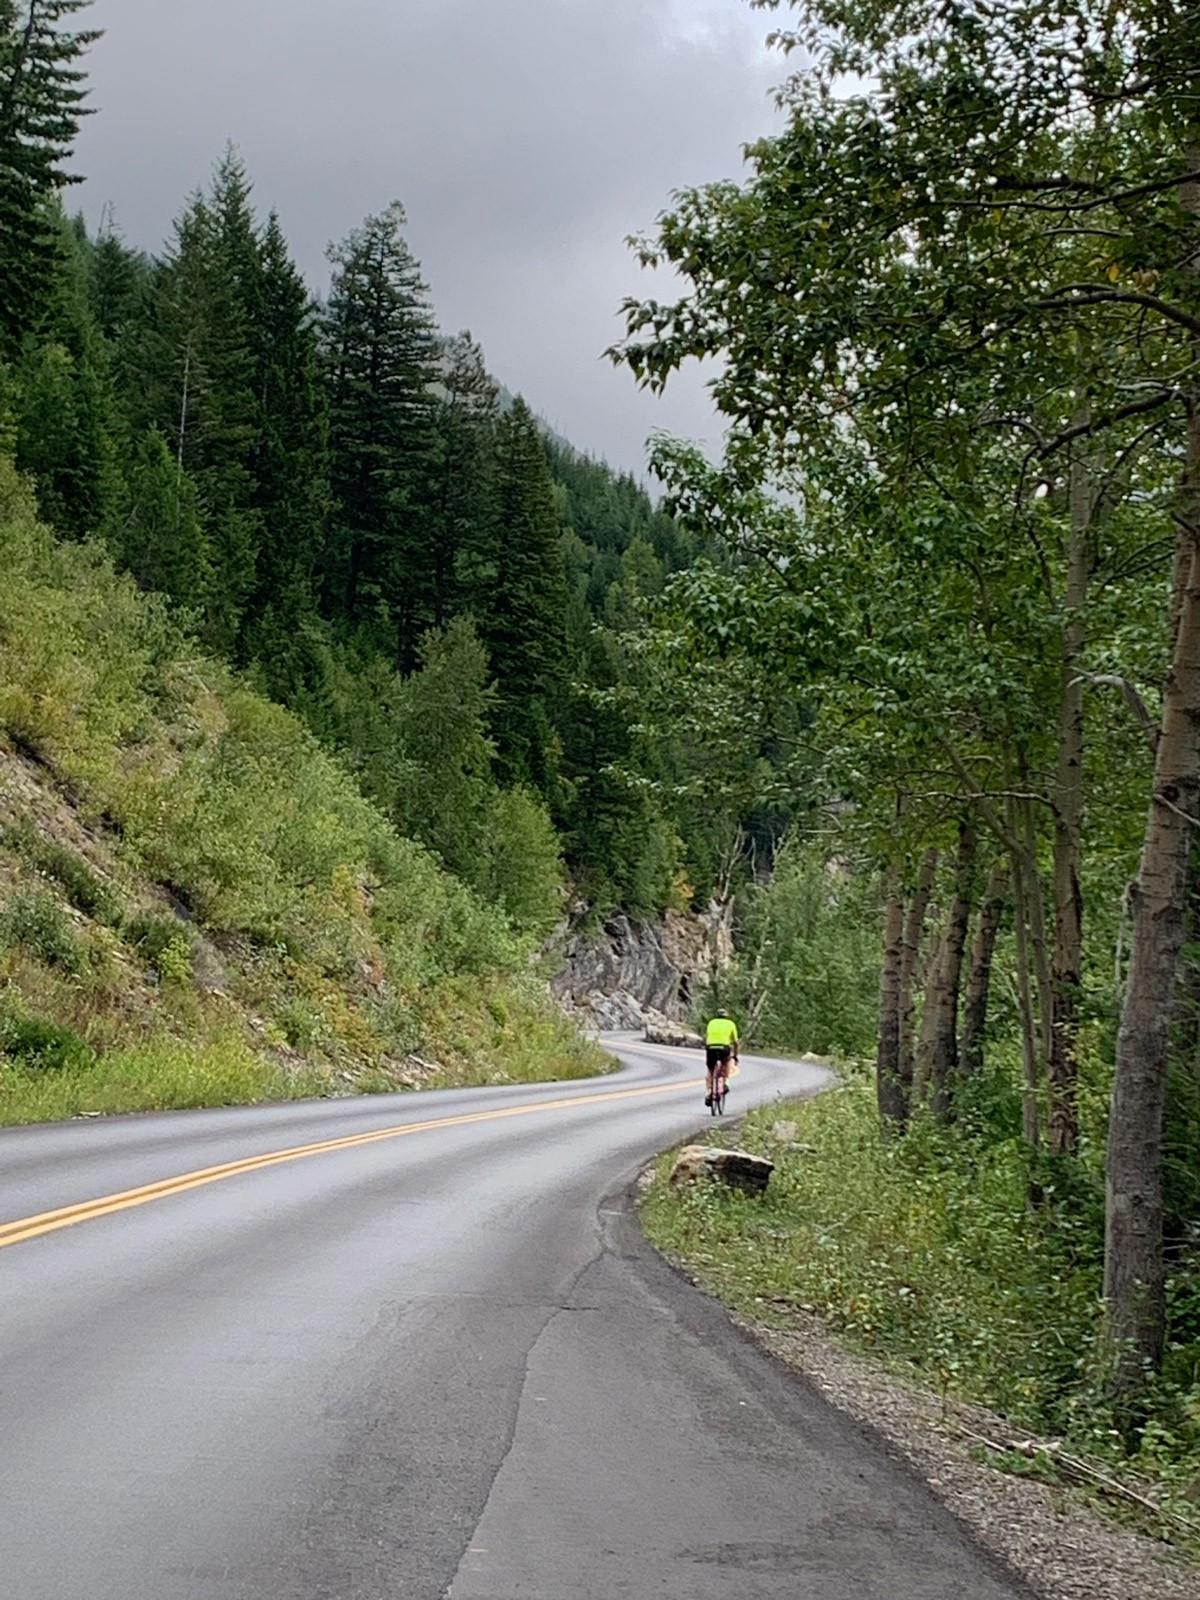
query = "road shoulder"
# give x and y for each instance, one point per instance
(1057, 1546)
(790, 1385)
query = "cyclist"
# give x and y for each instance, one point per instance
(721, 1043)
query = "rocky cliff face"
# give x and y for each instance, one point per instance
(634, 975)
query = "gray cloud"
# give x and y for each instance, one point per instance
(526, 138)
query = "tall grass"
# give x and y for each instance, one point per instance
(163, 1075)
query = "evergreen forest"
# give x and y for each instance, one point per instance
(337, 499)
(321, 685)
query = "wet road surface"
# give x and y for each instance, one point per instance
(430, 1356)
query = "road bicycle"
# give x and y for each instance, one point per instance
(720, 1088)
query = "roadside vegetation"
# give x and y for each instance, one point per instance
(955, 1252)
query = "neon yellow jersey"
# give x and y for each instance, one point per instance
(722, 1031)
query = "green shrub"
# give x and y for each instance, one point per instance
(301, 1024)
(163, 943)
(39, 1045)
(36, 922)
(83, 887)
(989, 1102)
(175, 961)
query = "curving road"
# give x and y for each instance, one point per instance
(429, 1357)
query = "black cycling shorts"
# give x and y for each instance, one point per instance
(716, 1053)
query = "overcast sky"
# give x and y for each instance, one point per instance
(526, 139)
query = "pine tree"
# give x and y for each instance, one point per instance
(198, 368)
(381, 360)
(41, 103)
(161, 540)
(118, 280)
(462, 472)
(68, 426)
(290, 464)
(521, 603)
(442, 729)
(120, 290)
(228, 437)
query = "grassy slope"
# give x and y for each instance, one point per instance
(197, 905)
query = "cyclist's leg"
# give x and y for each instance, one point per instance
(723, 1070)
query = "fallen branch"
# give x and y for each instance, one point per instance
(1078, 1470)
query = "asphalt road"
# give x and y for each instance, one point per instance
(432, 1357)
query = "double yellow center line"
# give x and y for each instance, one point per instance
(89, 1210)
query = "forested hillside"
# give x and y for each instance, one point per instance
(323, 692)
(337, 502)
(196, 903)
(956, 305)
(338, 499)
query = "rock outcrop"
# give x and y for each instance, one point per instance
(637, 975)
(737, 1168)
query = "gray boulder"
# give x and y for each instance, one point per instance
(661, 1031)
(737, 1168)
